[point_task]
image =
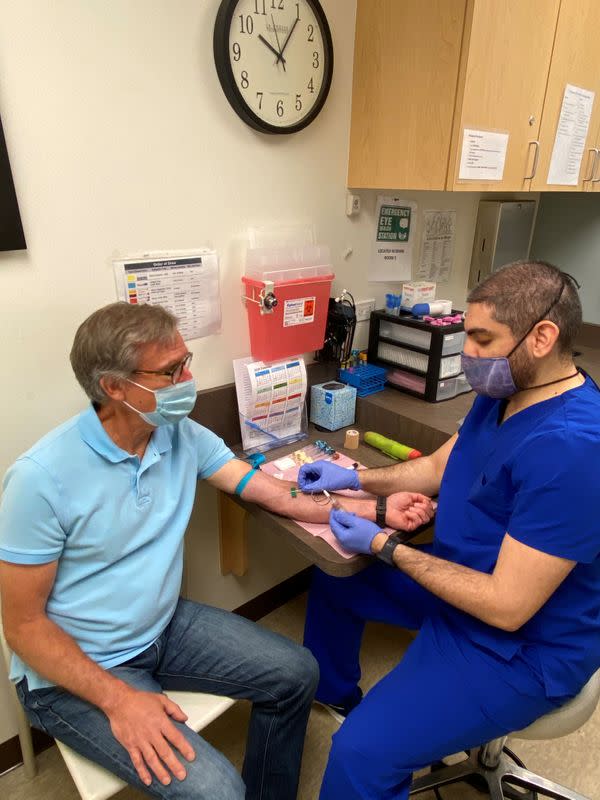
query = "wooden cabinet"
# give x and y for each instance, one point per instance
(406, 61)
(504, 68)
(426, 70)
(575, 61)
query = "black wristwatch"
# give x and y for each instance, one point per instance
(387, 551)
(380, 510)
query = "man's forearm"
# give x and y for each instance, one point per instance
(410, 476)
(55, 655)
(467, 589)
(276, 496)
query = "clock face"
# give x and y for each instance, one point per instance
(274, 59)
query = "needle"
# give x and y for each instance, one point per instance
(334, 502)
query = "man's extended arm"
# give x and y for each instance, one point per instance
(422, 474)
(139, 720)
(521, 582)
(405, 510)
(519, 585)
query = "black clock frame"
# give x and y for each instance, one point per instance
(230, 88)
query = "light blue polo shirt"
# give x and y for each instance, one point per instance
(114, 524)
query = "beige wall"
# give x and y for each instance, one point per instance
(121, 141)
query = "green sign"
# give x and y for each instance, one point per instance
(394, 224)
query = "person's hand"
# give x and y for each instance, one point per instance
(325, 475)
(141, 722)
(354, 533)
(407, 511)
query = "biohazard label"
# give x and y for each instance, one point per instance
(299, 311)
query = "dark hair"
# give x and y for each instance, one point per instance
(108, 341)
(521, 293)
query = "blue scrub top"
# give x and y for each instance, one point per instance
(535, 476)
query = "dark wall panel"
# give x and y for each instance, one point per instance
(11, 229)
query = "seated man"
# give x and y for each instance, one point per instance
(507, 599)
(91, 546)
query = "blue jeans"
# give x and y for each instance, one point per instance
(203, 649)
(446, 694)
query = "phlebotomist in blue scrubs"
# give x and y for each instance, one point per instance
(507, 599)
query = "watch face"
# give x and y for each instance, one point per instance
(274, 59)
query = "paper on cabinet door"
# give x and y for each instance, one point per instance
(571, 135)
(483, 155)
(395, 230)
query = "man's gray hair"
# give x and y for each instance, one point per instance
(107, 343)
(520, 293)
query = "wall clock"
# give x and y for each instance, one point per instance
(274, 59)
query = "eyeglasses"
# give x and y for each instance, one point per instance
(174, 373)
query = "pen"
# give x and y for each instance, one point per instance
(256, 427)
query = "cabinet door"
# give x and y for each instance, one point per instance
(406, 59)
(506, 56)
(575, 61)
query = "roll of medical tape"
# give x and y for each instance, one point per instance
(352, 439)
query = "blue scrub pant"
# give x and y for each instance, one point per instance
(446, 694)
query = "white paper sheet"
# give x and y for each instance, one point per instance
(483, 155)
(395, 222)
(571, 135)
(270, 399)
(437, 246)
(186, 283)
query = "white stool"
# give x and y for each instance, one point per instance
(92, 781)
(492, 764)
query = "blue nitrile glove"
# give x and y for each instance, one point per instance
(325, 475)
(354, 533)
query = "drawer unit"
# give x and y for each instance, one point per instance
(424, 359)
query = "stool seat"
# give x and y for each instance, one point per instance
(568, 718)
(499, 767)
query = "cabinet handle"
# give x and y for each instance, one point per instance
(590, 177)
(596, 154)
(535, 160)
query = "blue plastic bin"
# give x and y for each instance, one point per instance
(367, 379)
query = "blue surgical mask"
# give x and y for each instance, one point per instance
(173, 403)
(493, 377)
(489, 376)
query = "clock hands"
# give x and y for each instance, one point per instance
(278, 45)
(272, 49)
(285, 44)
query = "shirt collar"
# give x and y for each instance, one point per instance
(93, 433)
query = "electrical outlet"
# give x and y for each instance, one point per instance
(363, 309)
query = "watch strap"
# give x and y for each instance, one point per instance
(387, 551)
(380, 510)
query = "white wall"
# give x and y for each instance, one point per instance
(121, 140)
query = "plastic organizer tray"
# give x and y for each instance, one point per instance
(367, 379)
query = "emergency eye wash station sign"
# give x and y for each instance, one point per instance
(392, 249)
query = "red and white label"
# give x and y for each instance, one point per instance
(299, 311)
